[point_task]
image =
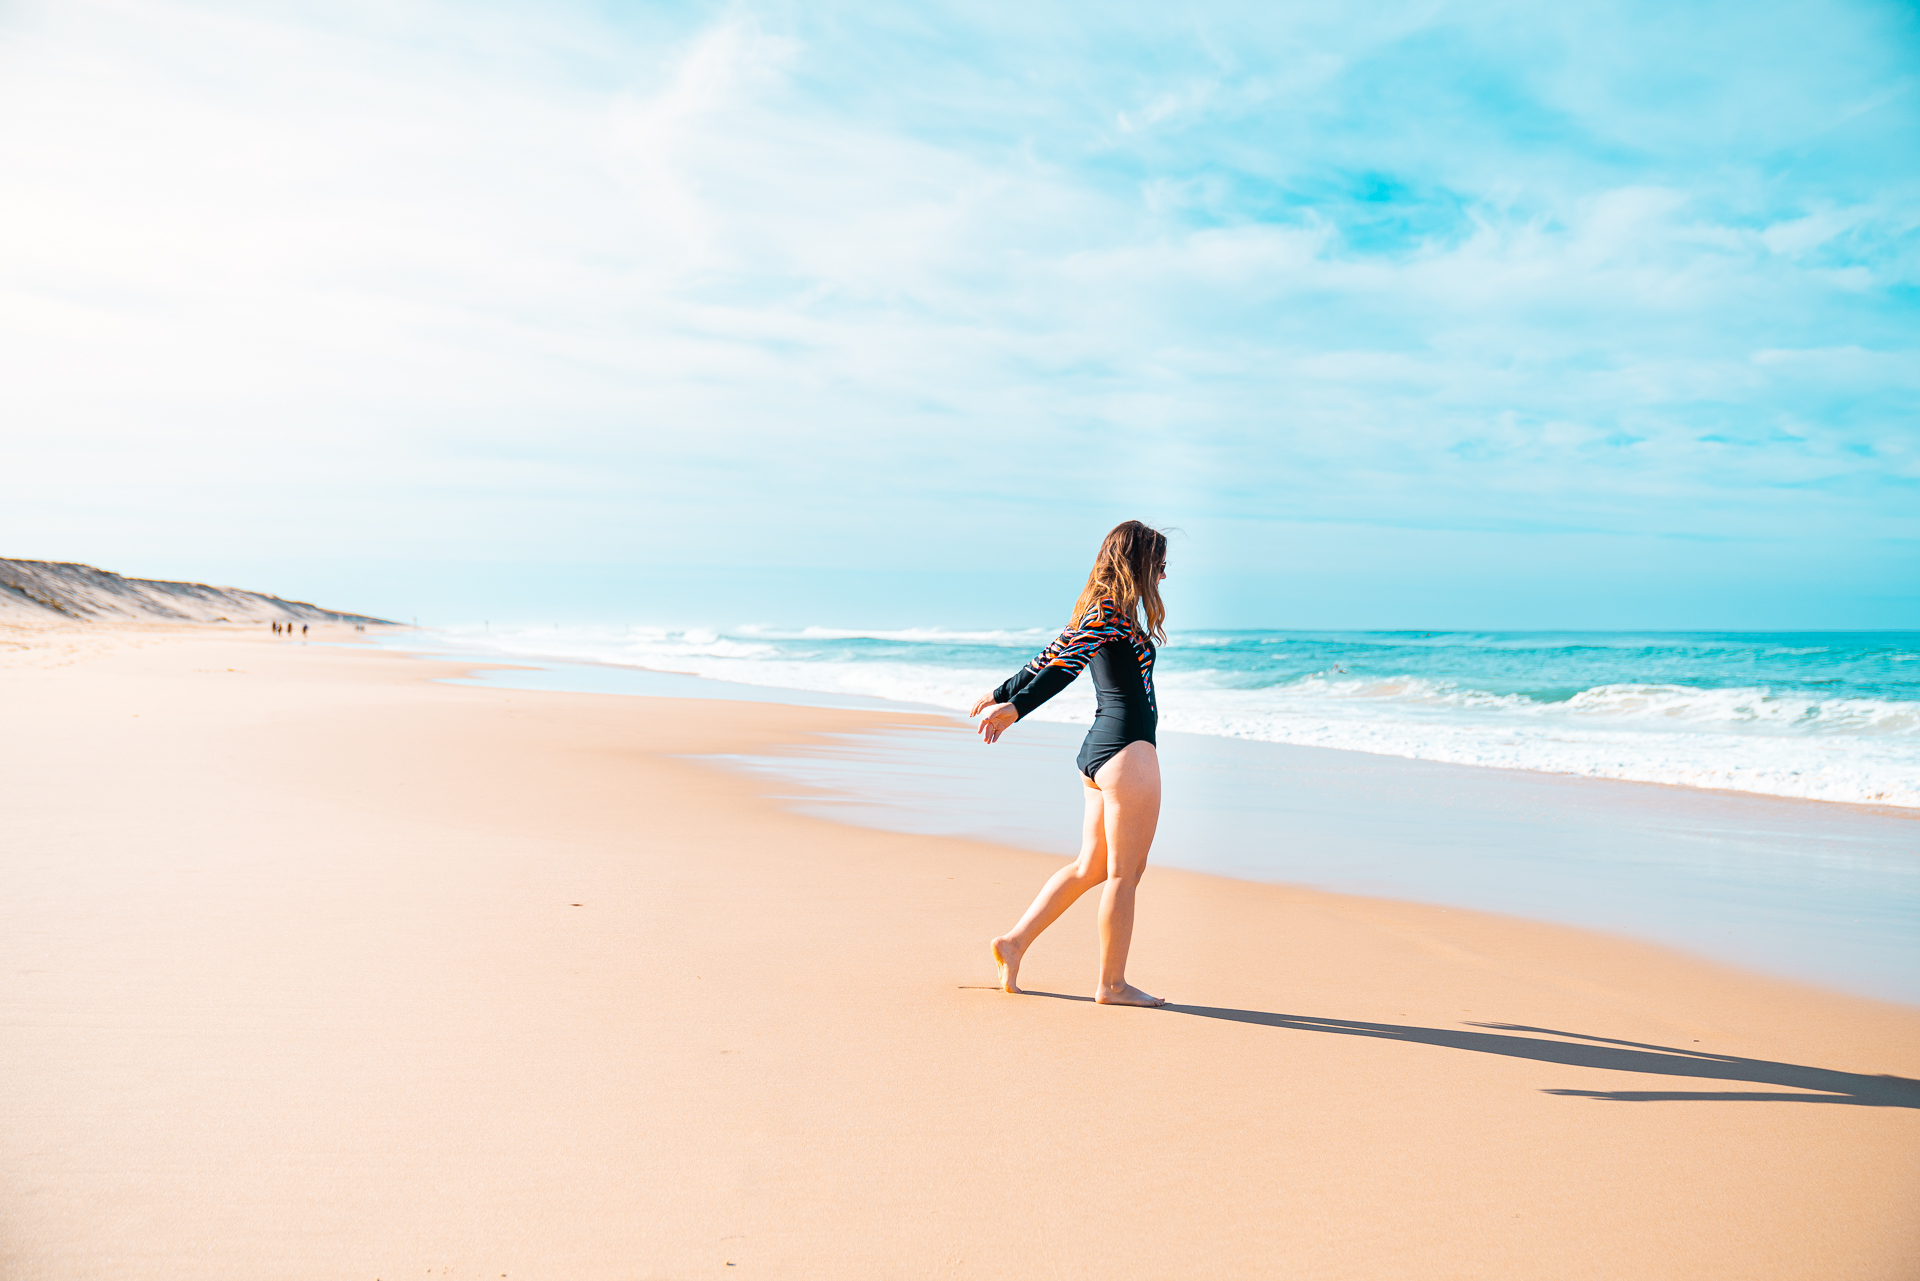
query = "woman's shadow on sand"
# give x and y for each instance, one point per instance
(1582, 1050)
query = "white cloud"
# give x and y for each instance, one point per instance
(503, 278)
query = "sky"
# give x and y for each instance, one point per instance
(1403, 315)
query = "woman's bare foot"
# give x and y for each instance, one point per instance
(1006, 955)
(1126, 994)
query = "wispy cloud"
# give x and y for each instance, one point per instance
(887, 285)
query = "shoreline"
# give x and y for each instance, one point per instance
(1828, 896)
(320, 966)
(793, 696)
(1058, 836)
(804, 697)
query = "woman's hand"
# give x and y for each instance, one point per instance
(999, 717)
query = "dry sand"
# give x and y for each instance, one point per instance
(315, 968)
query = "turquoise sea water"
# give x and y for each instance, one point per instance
(1817, 715)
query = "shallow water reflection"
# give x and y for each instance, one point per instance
(1826, 893)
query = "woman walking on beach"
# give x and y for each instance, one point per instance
(1119, 764)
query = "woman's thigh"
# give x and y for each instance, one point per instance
(1093, 830)
(1130, 803)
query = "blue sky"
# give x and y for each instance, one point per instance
(1410, 315)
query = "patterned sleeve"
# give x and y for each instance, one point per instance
(1054, 668)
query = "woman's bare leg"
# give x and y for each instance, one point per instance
(1130, 794)
(1058, 894)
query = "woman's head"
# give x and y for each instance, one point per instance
(1131, 563)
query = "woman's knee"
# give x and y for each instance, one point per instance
(1091, 868)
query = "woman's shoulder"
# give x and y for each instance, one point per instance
(1101, 613)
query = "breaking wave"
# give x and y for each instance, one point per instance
(1817, 717)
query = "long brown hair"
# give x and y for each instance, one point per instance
(1128, 569)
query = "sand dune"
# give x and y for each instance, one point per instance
(44, 590)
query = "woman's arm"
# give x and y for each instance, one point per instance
(1052, 670)
(1006, 689)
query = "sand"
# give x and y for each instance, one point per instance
(316, 968)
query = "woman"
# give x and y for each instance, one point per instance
(1118, 762)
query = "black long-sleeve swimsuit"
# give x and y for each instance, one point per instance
(1122, 662)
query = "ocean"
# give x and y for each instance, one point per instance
(1814, 715)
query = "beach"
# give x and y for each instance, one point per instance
(318, 966)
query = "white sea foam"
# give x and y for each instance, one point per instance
(1024, 638)
(1704, 741)
(1751, 739)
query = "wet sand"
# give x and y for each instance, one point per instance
(1812, 891)
(316, 968)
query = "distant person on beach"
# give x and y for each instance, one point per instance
(1119, 763)
(303, 629)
